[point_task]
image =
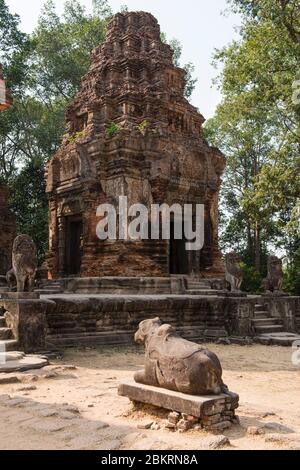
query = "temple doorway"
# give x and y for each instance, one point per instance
(73, 245)
(178, 256)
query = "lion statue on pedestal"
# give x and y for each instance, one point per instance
(24, 264)
(233, 275)
(176, 364)
(274, 280)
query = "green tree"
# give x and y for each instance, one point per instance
(189, 68)
(30, 204)
(44, 72)
(257, 126)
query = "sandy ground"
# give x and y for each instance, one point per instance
(73, 404)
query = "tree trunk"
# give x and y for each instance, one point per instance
(257, 247)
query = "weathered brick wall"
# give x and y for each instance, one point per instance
(115, 319)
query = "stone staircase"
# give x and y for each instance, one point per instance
(7, 341)
(200, 287)
(264, 324)
(49, 287)
(269, 330)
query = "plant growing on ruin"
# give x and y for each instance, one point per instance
(143, 126)
(73, 138)
(113, 129)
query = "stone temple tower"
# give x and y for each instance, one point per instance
(130, 132)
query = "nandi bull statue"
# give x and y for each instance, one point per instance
(176, 364)
(24, 264)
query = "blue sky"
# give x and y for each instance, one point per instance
(198, 24)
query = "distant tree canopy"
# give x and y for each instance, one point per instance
(257, 126)
(44, 71)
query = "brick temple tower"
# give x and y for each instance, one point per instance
(131, 132)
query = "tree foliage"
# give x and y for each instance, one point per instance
(189, 68)
(257, 125)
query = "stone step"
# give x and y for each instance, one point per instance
(48, 291)
(269, 329)
(259, 308)
(262, 312)
(265, 321)
(198, 283)
(8, 345)
(203, 292)
(5, 333)
(278, 339)
(111, 337)
(261, 315)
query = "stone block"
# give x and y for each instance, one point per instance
(27, 320)
(21, 363)
(21, 295)
(174, 401)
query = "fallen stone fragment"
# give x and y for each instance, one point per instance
(27, 388)
(254, 431)
(174, 417)
(170, 426)
(69, 367)
(269, 413)
(292, 440)
(8, 379)
(219, 427)
(184, 425)
(276, 427)
(218, 441)
(145, 425)
(155, 427)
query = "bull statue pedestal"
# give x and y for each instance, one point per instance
(182, 377)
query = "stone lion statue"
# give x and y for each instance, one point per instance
(274, 280)
(233, 274)
(174, 363)
(11, 279)
(24, 262)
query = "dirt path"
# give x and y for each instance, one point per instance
(65, 407)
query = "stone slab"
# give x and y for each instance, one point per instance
(279, 339)
(21, 295)
(19, 362)
(197, 406)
